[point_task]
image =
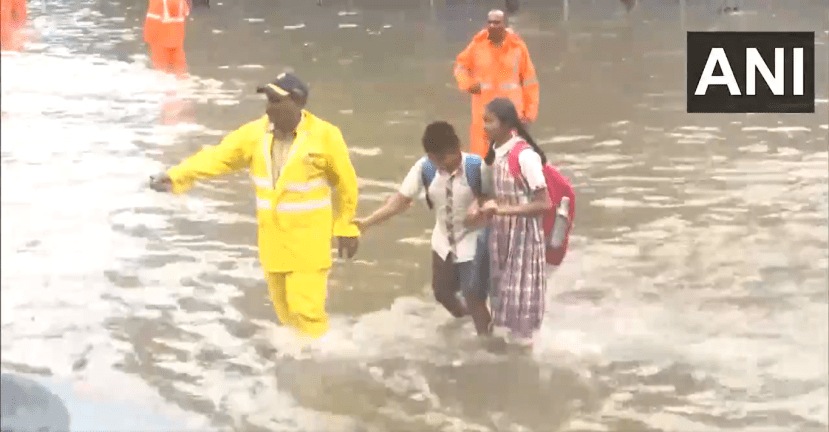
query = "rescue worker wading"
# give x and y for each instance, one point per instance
(306, 192)
(496, 64)
(13, 14)
(164, 30)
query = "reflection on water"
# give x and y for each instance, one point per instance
(694, 299)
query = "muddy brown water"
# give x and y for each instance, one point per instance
(695, 296)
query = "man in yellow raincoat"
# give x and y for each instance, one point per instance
(496, 64)
(306, 193)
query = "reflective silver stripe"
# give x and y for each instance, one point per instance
(510, 86)
(306, 186)
(261, 182)
(462, 69)
(263, 204)
(165, 18)
(303, 206)
(485, 86)
(530, 82)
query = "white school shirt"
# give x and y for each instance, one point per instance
(462, 198)
(530, 162)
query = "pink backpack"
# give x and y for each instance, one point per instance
(558, 186)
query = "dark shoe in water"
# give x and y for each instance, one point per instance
(494, 344)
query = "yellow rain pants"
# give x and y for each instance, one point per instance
(299, 300)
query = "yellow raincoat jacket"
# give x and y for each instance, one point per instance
(298, 214)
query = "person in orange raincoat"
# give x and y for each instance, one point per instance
(13, 14)
(496, 64)
(164, 30)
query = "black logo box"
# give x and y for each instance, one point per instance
(718, 99)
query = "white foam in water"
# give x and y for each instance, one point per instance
(565, 139)
(625, 326)
(73, 170)
(67, 164)
(80, 173)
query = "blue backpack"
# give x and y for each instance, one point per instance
(471, 166)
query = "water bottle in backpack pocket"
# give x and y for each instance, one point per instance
(561, 226)
(558, 221)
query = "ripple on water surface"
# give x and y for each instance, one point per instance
(693, 299)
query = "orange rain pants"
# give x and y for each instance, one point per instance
(13, 15)
(164, 31)
(502, 71)
(170, 60)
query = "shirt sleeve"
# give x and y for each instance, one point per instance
(532, 169)
(412, 184)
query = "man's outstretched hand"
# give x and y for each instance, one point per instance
(161, 183)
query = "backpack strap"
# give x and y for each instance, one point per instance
(514, 164)
(427, 175)
(472, 165)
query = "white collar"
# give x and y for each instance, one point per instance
(461, 170)
(507, 146)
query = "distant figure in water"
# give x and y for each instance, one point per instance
(516, 242)
(729, 7)
(496, 63)
(629, 4)
(306, 193)
(451, 180)
(13, 18)
(164, 31)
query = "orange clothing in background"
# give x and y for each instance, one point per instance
(170, 60)
(13, 15)
(176, 110)
(502, 71)
(164, 30)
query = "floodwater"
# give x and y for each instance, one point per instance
(695, 296)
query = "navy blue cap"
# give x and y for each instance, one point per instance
(286, 84)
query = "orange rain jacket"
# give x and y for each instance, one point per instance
(164, 25)
(13, 14)
(502, 71)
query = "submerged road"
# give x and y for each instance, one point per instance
(694, 299)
